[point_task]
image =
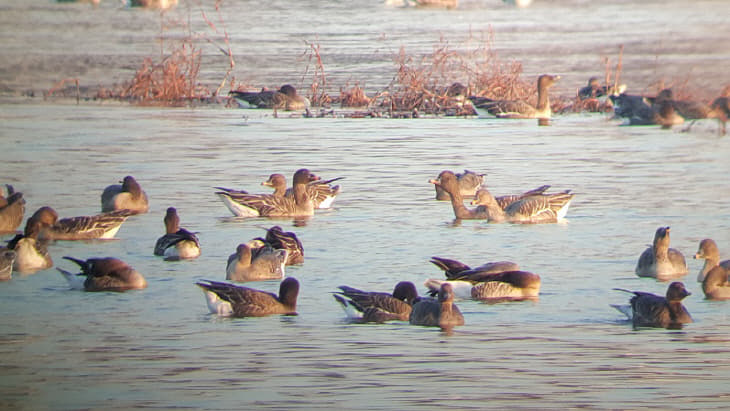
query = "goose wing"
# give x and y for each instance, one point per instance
(244, 300)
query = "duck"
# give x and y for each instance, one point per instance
(127, 196)
(235, 301)
(519, 108)
(256, 264)
(103, 274)
(286, 98)
(469, 182)
(300, 204)
(499, 280)
(377, 307)
(535, 209)
(651, 310)
(447, 180)
(12, 210)
(441, 312)
(7, 258)
(177, 243)
(277, 238)
(31, 253)
(711, 254)
(659, 261)
(102, 226)
(320, 191)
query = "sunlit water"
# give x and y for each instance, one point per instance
(159, 347)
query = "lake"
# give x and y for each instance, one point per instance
(159, 347)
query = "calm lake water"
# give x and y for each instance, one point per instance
(159, 347)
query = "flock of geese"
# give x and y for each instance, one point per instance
(663, 109)
(265, 258)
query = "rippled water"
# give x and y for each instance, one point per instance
(159, 348)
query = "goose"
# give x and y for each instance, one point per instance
(378, 307)
(286, 98)
(231, 300)
(592, 90)
(447, 180)
(104, 274)
(269, 205)
(177, 243)
(7, 258)
(650, 310)
(437, 313)
(127, 196)
(100, 226)
(535, 209)
(256, 264)
(322, 192)
(277, 238)
(659, 261)
(500, 280)
(12, 210)
(469, 182)
(721, 111)
(31, 254)
(709, 251)
(519, 108)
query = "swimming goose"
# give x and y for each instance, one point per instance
(320, 191)
(490, 281)
(378, 307)
(519, 108)
(269, 205)
(659, 261)
(100, 226)
(232, 300)
(437, 313)
(535, 209)
(592, 90)
(7, 258)
(709, 251)
(279, 239)
(127, 196)
(650, 310)
(286, 98)
(104, 274)
(177, 243)
(31, 254)
(256, 264)
(469, 182)
(12, 210)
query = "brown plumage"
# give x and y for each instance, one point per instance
(322, 192)
(104, 274)
(229, 299)
(269, 205)
(12, 210)
(711, 254)
(127, 196)
(378, 307)
(520, 108)
(277, 238)
(535, 209)
(31, 254)
(469, 182)
(286, 98)
(177, 242)
(100, 226)
(7, 258)
(256, 264)
(659, 261)
(650, 310)
(437, 313)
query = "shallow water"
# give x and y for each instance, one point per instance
(159, 347)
